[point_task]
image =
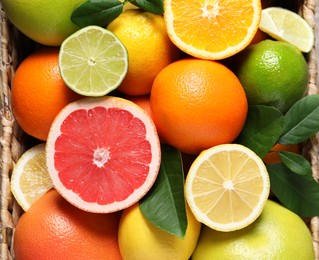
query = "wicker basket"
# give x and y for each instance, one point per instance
(14, 47)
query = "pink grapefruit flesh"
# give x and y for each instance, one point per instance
(103, 154)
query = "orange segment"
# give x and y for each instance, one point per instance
(214, 29)
(227, 187)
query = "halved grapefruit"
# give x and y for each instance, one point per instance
(103, 154)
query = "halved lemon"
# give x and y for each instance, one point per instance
(30, 178)
(285, 25)
(93, 61)
(227, 187)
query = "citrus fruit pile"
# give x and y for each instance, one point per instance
(137, 112)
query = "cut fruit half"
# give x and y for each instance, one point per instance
(227, 187)
(212, 29)
(103, 154)
(285, 25)
(93, 61)
(30, 178)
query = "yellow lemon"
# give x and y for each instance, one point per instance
(140, 239)
(149, 48)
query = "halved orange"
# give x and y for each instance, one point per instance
(212, 29)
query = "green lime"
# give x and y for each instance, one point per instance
(272, 73)
(93, 61)
(278, 233)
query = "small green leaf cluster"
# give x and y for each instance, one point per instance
(291, 180)
(102, 12)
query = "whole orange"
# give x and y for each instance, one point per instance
(197, 104)
(39, 93)
(54, 229)
(273, 157)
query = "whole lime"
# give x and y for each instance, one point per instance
(47, 22)
(272, 73)
(278, 233)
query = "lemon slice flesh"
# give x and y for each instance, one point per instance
(285, 25)
(227, 187)
(93, 61)
(30, 178)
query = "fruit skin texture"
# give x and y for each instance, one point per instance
(277, 234)
(273, 157)
(140, 239)
(272, 73)
(47, 22)
(54, 229)
(197, 104)
(149, 48)
(39, 93)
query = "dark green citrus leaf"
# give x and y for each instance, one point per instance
(301, 120)
(164, 204)
(296, 163)
(97, 12)
(299, 193)
(152, 6)
(264, 125)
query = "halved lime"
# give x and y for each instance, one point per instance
(285, 25)
(93, 61)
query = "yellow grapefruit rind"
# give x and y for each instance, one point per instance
(202, 53)
(189, 186)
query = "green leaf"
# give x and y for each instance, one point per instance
(299, 193)
(97, 12)
(264, 125)
(301, 120)
(164, 204)
(152, 6)
(296, 163)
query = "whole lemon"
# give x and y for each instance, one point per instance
(141, 239)
(47, 22)
(278, 233)
(149, 48)
(272, 73)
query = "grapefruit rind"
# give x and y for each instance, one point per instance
(193, 190)
(53, 139)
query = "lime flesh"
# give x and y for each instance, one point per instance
(93, 61)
